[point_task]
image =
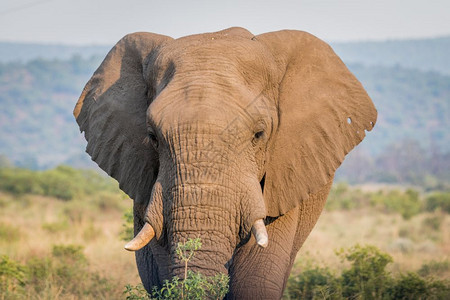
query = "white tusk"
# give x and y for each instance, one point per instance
(141, 239)
(260, 233)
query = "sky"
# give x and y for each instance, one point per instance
(87, 22)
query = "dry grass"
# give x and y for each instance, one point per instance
(41, 222)
(30, 225)
(411, 242)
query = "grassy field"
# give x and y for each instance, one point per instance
(411, 243)
(71, 248)
(408, 225)
(30, 227)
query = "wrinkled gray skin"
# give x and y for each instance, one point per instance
(208, 133)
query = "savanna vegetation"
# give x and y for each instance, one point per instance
(371, 242)
(57, 230)
(191, 286)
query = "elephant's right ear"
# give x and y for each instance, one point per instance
(112, 113)
(324, 112)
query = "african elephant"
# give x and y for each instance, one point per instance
(219, 135)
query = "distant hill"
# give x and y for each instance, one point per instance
(411, 104)
(36, 103)
(422, 54)
(24, 52)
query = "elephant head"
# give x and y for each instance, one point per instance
(219, 135)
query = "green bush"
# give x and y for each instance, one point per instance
(438, 201)
(367, 278)
(367, 275)
(40, 273)
(20, 181)
(192, 286)
(312, 283)
(434, 268)
(342, 197)
(65, 271)
(127, 233)
(62, 182)
(12, 278)
(412, 286)
(407, 203)
(409, 286)
(137, 292)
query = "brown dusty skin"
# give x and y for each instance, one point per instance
(211, 132)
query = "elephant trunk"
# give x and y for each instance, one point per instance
(212, 258)
(222, 215)
(205, 212)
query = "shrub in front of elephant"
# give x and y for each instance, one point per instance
(191, 286)
(228, 137)
(365, 277)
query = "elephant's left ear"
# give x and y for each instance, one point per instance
(323, 114)
(112, 113)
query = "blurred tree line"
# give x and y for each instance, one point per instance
(402, 162)
(62, 182)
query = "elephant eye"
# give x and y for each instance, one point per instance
(153, 140)
(259, 134)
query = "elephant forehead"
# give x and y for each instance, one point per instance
(210, 109)
(212, 45)
(200, 117)
(233, 56)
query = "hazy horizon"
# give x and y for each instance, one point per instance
(102, 22)
(63, 44)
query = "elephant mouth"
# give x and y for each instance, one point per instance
(252, 213)
(147, 233)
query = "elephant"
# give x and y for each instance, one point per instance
(228, 137)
